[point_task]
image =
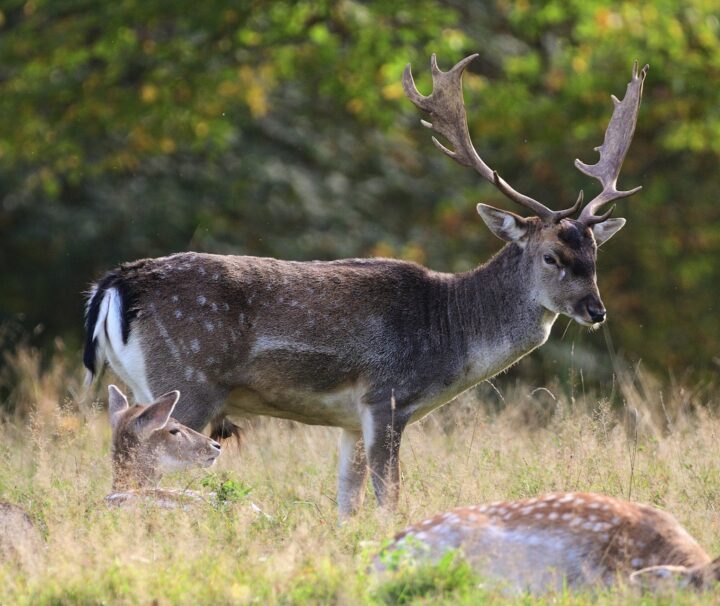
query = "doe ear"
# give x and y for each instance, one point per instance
(157, 414)
(607, 229)
(655, 578)
(117, 403)
(504, 224)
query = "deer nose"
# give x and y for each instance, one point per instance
(597, 312)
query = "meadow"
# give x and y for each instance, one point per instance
(272, 536)
(280, 129)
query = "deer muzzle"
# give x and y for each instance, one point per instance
(591, 309)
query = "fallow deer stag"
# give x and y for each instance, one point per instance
(329, 343)
(146, 443)
(563, 539)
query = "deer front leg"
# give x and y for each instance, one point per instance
(382, 444)
(352, 473)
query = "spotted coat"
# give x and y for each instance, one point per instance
(542, 543)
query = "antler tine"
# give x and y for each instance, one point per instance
(449, 119)
(594, 220)
(569, 212)
(615, 146)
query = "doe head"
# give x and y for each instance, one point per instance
(147, 441)
(667, 578)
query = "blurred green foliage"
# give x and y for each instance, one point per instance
(138, 128)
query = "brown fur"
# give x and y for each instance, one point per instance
(20, 540)
(367, 345)
(602, 538)
(146, 441)
(331, 343)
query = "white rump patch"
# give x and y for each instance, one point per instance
(126, 359)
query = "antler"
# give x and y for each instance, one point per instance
(449, 119)
(618, 136)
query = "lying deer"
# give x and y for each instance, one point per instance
(20, 540)
(329, 343)
(147, 442)
(573, 539)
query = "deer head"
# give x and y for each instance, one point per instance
(668, 577)
(559, 252)
(147, 441)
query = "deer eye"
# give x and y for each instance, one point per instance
(549, 259)
(174, 431)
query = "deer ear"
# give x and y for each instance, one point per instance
(504, 224)
(657, 577)
(607, 229)
(117, 403)
(157, 414)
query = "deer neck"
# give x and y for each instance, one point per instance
(497, 313)
(130, 472)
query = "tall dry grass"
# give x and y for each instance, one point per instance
(274, 538)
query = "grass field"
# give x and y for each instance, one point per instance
(273, 537)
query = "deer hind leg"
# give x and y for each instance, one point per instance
(382, 445)
(352, 473)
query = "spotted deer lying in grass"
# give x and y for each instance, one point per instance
(335, 343)
(573, 539)
(147, 442)
(20, 540)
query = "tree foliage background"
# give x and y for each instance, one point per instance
(139, 128)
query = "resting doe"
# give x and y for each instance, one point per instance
(561, 539)
(20, 540)
(147, 442)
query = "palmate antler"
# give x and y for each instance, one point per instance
(449, 119)
(618, 136)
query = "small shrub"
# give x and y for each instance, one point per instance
(227, 490)
(448, 575)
